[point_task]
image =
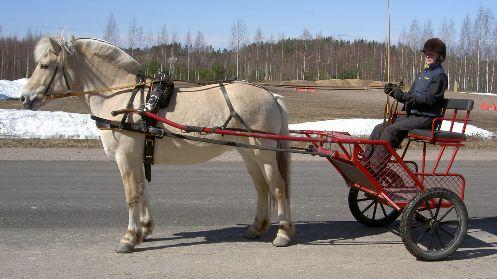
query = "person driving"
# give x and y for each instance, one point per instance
(422, 103)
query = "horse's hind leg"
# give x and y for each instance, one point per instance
(262, 217)
(133, 180)
(279, 188)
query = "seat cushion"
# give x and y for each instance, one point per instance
(438, 135)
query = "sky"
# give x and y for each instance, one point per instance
(343, 19)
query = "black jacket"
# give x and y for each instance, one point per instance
(426, 94)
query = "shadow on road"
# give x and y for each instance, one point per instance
(332, 233)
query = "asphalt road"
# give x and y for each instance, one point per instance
(64, 219)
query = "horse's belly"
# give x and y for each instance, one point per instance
(167, 152)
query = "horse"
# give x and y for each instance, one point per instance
(86, 64)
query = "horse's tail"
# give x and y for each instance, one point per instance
(284, 157)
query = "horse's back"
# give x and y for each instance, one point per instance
(209, 105)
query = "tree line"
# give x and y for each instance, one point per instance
(470, 63)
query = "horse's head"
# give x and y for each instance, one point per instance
(49, 77)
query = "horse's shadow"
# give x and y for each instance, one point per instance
(330, 233)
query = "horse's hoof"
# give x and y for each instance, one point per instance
(125, 248)
(281, 241)
(251, 234)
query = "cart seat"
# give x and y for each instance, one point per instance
(435, 135)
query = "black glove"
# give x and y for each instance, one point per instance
(389, 88)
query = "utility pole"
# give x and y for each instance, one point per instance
(388, 43)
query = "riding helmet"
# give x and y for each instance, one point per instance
(436, 45)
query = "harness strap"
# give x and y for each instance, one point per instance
(139, 87)
(103, 123)
(148, 156)
(65, 79)
(51, 79)
(233, 113)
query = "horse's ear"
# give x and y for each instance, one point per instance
(73, 38)
(56, 48)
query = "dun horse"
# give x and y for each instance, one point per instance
(84, 65)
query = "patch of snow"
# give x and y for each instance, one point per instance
(360, 127)
(484, 94)
(45, 124)
(11, 89)
(64, 125)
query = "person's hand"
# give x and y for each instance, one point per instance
(389, 87)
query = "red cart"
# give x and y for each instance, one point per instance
(434, 217)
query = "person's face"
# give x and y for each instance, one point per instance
(430, 57)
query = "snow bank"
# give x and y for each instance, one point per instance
(363, 127)
(45, 125)
(484, 94)
(11, 89)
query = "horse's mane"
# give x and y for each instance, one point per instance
(105, 50)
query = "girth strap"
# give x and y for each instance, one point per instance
(233, 113)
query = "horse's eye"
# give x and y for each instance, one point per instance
(43, 66)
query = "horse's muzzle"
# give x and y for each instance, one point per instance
(30, 101)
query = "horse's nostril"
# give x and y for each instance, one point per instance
(22, 99)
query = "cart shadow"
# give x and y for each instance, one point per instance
(473, 247)
(329, 233)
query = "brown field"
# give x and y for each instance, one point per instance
(303, 107)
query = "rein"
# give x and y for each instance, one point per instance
(95, 91)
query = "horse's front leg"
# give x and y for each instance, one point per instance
(146, 220)
(133, 179)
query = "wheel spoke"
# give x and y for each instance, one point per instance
(438, 208)
(446, 213)
(447, 232)
(383, 209)
(439, 239)
(431, 240)
(420, 217)
(363, 199)
(374, 210)
(367, 207)
(429, 209)
(423, 235)
(416, 225)
(451, 222)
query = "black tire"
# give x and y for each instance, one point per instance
(434, 234)
(368, 211)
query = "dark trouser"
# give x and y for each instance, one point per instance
(394, 134)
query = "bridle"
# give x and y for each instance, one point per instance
(53, 96)
(58, 67)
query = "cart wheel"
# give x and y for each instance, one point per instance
(368, 211)
(434, 233)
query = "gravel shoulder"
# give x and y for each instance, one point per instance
(84, 154)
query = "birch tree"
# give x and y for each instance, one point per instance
(306, 37)
(237, 40)
(162, 40)
(447, 34)
(111, 32)
(188, 48)
(481, 31)
(258, 40)
(465, 48)
(198, 48)
(132, 35)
